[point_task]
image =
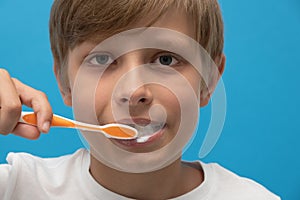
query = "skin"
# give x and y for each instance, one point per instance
(157, 184)
(13, 94)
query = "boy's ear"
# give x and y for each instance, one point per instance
(65, 91)
(206, 91)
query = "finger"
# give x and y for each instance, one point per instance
(27, 131)
(38, 101)
(11, 106)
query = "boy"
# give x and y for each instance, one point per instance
(140, 77)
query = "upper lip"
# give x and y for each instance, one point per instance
(136, 121)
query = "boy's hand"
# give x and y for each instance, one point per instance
(13, 94)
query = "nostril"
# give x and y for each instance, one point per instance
(143, 100)
(124, 100)
(138, 97)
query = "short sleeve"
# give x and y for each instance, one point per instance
(5, 172)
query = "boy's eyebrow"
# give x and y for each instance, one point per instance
(168, 41)
(186, 48)
(163, 42)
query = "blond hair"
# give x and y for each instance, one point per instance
(75, 21)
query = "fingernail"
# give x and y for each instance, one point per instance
(46, 126)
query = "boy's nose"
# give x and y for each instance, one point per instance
(141, 96)
(132, 88)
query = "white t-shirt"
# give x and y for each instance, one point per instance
(28, 177)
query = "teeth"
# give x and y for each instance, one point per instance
(146, 131)
(143, 139)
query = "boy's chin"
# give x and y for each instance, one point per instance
(161, 149)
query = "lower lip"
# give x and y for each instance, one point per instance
(133, 143)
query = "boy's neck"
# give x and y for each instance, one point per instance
(169, 182)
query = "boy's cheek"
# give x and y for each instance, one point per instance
(103, 99)
(194, 79)
(87, 97)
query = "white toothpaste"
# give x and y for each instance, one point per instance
(143, 139)
(145, 132)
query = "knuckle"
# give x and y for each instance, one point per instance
(4, 72)
(15, 80)
(14, 107)
(34, 137)
(4, 132)
(42, 95)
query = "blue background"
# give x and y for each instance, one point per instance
(261, 135)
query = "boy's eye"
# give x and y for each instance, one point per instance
(101, 59)
(168, 60)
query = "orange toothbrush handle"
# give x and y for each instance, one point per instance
(30, 118)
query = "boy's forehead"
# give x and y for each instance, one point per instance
(174, 19)
(145, 38)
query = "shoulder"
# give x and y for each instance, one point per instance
(47, 177)
(222, 184)
(23, 164)
(29, 160)
(234, 185)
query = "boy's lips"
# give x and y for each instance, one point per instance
(143, 140)
(148, 131)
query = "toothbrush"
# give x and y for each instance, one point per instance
(114, 131)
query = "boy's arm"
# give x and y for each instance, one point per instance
(13, 94)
